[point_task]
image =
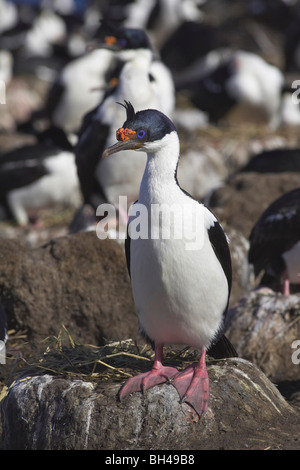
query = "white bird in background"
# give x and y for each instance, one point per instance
(8, 16)
(147, 83)
(36, 176)
(78, 88)
(226, 79)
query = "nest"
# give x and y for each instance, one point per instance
(64, 356)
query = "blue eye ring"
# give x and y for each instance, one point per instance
(141, 134)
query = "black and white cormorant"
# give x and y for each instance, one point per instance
(181, 291)
(146, 82)
(38, 175)
(226, 79)
(275, 243)
(78, 88)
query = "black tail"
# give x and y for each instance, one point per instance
(221, 349)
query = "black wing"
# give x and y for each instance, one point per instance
(127, 247)
(221, 346)
(54, 97)
(88, 151)
(22, 166)
(220, 245)
(274, 161)
(17, 176)
(27, 153)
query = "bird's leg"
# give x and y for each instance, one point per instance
(286, 287)
(158, 374)
(286, 284)
(192, 385)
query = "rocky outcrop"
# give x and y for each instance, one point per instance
(78, 281)
(264, 328)
(246, 412)
(81, 282)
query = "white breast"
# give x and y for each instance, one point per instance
(179, 287)
(59, 186)
(86, 74)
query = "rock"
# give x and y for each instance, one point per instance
(242, 273)
(82, 282)
(263, 327)
(246, 412)
(77, 281)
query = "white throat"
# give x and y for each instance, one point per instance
(134, 80)
(159, 174)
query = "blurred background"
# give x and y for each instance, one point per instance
(234, 65)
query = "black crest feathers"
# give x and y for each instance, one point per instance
(130, 112)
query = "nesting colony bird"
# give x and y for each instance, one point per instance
(162, 17)
(275, 243)
(38, 175)
(47, 31)
(8, 16)
(181, 278)
(240, 78)
(147, 83)
(78, 88)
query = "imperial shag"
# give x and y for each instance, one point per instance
(181, 283)
(146, 83)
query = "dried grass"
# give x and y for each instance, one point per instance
(62, 355)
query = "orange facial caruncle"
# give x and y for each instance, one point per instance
(125, 134)
(110, 40)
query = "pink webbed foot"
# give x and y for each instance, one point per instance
(159, 374)
(144, 381)
(192, 385)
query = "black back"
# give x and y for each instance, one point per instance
(276, 231)
(88, 151)
(221, 347)
(274, 161)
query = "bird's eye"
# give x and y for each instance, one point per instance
(141, 134)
